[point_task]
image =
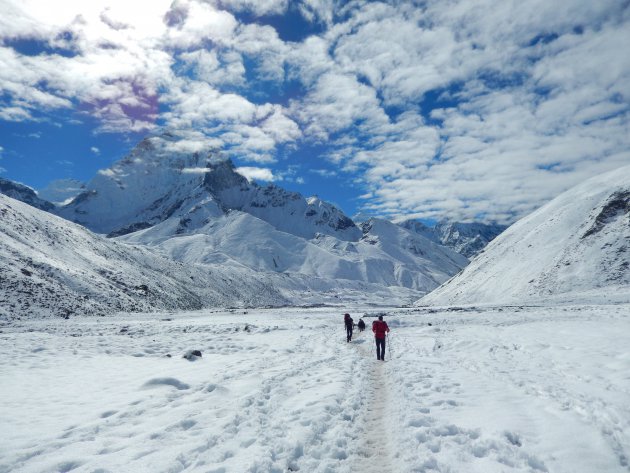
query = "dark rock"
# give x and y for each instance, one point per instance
(618, 204)
(134, 227)
(192, 355)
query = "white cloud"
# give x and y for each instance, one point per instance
(318, 10)
(194, 170)
(533, 96)
(338, 102)
(217, 68)
(254, 173)
(258, 7)
(323, 172)
(201, 22)
(528, 117)
(95, 150)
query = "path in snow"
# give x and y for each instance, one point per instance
(375, 452)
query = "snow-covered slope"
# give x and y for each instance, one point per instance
(577, 247)
(49, 266)
(24, 194)
(468, 239)
(495, 390)
(386, 254)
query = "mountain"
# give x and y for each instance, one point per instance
(575, 248)
(157, 181)
(385, 254)
(197, 209)
(49, 266)
(61, 191)
(24, 194)
(468, 239)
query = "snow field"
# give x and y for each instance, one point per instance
(515, 389)
(505, 389)
(101, 394)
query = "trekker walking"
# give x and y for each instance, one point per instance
(361, 325)
(380, 329)
(349, 324)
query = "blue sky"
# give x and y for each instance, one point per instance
(465, 110)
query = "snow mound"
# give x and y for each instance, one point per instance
(172, 382)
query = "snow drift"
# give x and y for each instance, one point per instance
(575, 248)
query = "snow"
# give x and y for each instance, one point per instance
(492, 389)
(49, 266)
(150, 198)
(387, 254)
(575, 248)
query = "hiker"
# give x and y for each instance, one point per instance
(380, 329)
(361, 325)
(349, 324)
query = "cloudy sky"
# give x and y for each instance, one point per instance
(471, 110)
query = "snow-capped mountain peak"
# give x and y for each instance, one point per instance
(196, 208)
(157, 181)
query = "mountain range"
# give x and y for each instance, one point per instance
(179, 222)
(196, 208)
(467, 239)
(166, 228)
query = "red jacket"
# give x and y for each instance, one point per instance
(379, 327)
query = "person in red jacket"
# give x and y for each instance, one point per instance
(380, 329)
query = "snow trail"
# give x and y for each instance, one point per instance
(375, 451)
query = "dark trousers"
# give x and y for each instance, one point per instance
(380, 349)
(349, 332)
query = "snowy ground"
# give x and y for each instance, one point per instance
(478, 390)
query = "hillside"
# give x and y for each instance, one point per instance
(49, 266)
(575, 248)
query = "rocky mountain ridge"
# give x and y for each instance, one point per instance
(468, 239)
(24, 194)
